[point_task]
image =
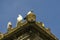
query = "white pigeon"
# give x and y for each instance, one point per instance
(19, 18)
(8, 25)
(29, 12)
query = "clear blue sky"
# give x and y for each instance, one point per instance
(47, 11)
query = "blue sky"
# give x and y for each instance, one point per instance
(47, 11)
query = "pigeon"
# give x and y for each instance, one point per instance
(9, 25)
(29, 12)
(19, 18)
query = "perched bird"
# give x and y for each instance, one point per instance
(29, 12)
(19, 18)
(9, 25)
